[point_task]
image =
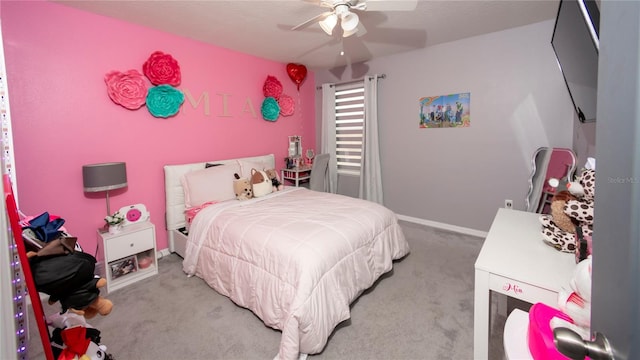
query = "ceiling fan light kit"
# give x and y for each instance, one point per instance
(345, 10)
(347, 33)
(329, 23)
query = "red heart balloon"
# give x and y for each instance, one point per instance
(297, 73)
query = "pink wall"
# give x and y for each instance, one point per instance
(63, 118)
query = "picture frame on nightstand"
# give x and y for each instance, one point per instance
(123, 267)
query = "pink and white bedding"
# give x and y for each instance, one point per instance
(297, 258)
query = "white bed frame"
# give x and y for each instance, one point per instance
(174, 196)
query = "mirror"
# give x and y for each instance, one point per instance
(310, 155)
(295, 146)
(548, 163)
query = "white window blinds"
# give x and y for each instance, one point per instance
(349, 109)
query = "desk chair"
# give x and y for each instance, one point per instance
(319, 171)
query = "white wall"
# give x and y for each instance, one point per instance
(519, 102)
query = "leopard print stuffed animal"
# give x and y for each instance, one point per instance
(579, 210)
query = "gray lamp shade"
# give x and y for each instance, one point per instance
(104, 177)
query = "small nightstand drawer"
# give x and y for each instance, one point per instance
(118, 247)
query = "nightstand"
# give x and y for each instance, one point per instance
(296, 175)
(129, 255)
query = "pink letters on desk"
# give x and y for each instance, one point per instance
(512, 287)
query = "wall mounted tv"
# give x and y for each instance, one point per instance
(575, 41)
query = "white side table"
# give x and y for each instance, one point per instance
(296, 175)
(515, 262)
(129, 255)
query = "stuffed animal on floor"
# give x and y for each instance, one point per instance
(275, 179)
(575, 301)
(77, 342)
(559, 229)
(68, 276)
(242, 188)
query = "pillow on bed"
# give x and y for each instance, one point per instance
(210, 184)
(246, 166)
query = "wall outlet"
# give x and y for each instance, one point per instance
(508, 204)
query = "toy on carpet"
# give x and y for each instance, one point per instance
(575, 301)
(574, 313)
(540, 337)
(242, 188)
(571, 215)
(68, 276)
(67, 320)
(73, 338)
(78, 344)
(275, 179)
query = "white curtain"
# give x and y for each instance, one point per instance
(371, 175)
(328, 135)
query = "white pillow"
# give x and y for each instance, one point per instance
(246, 166)
(210, 184)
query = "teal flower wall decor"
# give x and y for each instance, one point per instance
(270, 109)
(164, 100)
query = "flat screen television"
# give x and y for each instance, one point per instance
(575, 42)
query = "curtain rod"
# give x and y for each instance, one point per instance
(381, 76)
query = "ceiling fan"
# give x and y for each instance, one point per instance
(345, 12)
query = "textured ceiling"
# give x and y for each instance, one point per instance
(263, 27)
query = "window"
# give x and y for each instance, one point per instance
(349, 109)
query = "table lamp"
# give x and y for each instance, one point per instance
(104, 177)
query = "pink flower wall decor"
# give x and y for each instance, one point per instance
(162, 69)
(287, 105)
(272, 87)
(128, 89)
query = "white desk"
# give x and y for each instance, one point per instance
(514, 261)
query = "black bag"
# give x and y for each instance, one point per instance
(67, 278)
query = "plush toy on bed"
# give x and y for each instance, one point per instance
(260, 183)
(571, 214)
(275, 179)
(68, 276)
(242, 188)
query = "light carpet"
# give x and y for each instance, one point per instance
(422, 309)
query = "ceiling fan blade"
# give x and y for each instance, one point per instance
(313, 19)
(333, 41)
(388, 5)
(362, 30)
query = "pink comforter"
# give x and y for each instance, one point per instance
(297, 258)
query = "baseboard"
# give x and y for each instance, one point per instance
(439, 225)
(164, 252)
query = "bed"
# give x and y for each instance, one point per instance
(297, 258)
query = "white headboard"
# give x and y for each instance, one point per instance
(174, 194)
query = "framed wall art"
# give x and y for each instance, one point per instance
(445, 111)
